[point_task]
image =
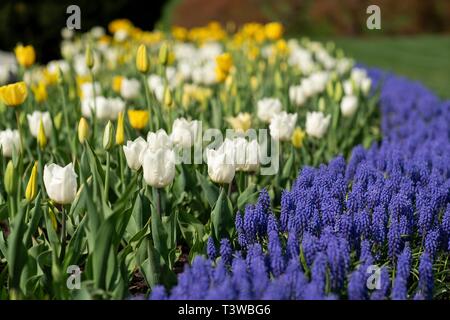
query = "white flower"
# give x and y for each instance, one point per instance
(87, 89)
(317, 124)
(319, 81)
(220, 168)
(349, 104)
(246, 155)
(9, 141)
(56, 65)
(133, 151)
(130, 88)
(366, 84)
(104, 108)
(297, 96)
(97, 32)
(79, 64)
(282, 126)
(121, 35)
(159, 167)
(157, 140)
(307, 87)
(348, 86)
(267, 108)
(184, 132)
(60, 183)
(34, 121)
(66, 33)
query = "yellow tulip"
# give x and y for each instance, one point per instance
(224, 62)
(242, 122)
(164, 53)
(41, 137)
(120, 132)
(14, 94)
(297, 137)
(25, 55)
(83, 130)
(142, 59)
(31, 191)
(273, 30)
(40, 92)
(168, 100)
(138, 118)
(179, 33)
(117, 83)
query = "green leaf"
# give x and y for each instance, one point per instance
(209, 189)
(17, 253)
(222, 216)
(287, 169)
(250, 195)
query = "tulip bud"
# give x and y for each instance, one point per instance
(321, 103)
(31, 190)
(168, 101)
(330, 89)
(83, 130)
(278, 80)
(120, 132)
(9, 179)
(108, 135)
(338, 92)
(297, 137)
(142, 59)
(41, 137)
(89, 57)
(164, 54)
(57, 120)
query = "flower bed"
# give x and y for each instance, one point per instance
(386, 211)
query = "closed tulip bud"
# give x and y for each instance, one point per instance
(142, 59)
(338, 92)
(57, 120)
(330, 89)
(120, 132)
(168, 100)
(297, 137)
(41, 137)
(89, 57)
(83, 130)
(164, 54)
(321, 104)
(108, 136)
(9, 179)
(31, 190)
(278, 80)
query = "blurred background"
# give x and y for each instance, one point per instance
(414, 39)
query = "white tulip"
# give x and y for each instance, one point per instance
(317, 124)
(60, 183)
(130, 88)
(104, 108)
(121, 35)
(348, 86)
(282, 126)
(34, 121)
(220, 168)
(246, 155)
(184, 132)
(133, 151)
(158, 140)
(308, 87)
(349, 104)
(87, 89)
(267, 108)
(9, 141)
(319, 81)
(297, 96)
(366, 84)
(159, 167)
(56, 65)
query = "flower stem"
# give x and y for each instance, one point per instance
(108, 164)
(63, 234)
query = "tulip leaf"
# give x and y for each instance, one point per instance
(221, 216)
(287, 169)
(17, 253)
(209, 189)
(250, 195)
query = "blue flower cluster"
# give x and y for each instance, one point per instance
(366, 229)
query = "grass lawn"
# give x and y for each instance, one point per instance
(424, 58)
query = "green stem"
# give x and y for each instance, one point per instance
(108, 164)
(122, 169)
(63, 234)
(149, 106)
